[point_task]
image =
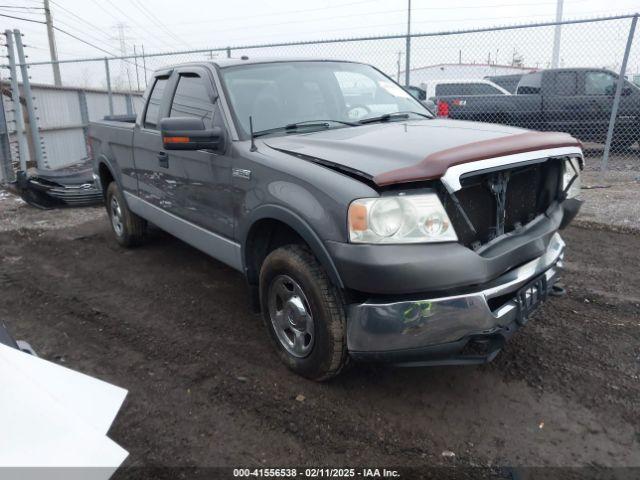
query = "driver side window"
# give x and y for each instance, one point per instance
(192, 99)
(599, 83)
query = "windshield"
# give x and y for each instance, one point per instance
(280, 94)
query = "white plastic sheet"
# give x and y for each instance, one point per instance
(53, 418)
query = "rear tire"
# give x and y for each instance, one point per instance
(304, 313)
(128, 228)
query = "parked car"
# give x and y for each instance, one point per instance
(420, 95)
(573, 100)
(461, 86)
(508, 82)
(365, 227)
(417, 93)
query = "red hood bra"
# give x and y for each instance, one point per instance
(436, 164)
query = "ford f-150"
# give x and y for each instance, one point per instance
(365, 227)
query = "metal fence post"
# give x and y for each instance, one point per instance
(109, 92)
(228, 52)
(129, 104)
(407, 59)
(616, 98)
(31, 109)
(6, 169)
(17, 106)
(84, 116)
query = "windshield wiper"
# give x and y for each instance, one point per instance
(294, 127)
(392, 116)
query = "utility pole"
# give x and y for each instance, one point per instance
(555, 57)
(125, 73)
(135, 57)
(57, 80)
(407, 60)
(144, 66)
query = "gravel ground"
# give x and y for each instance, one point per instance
(206, 388)
(612, 201)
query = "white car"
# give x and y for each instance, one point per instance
(461, 86)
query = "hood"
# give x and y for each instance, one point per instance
(398, 152)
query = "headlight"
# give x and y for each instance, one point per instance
(400, 219)
(568, 174)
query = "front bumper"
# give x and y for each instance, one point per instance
(440, 330)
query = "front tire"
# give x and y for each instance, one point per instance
(304, 313)
(128, 228)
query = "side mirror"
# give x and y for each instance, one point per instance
(626, 90)
(188, 133)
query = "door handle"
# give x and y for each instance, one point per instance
(163, 159)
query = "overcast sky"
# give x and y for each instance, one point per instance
(169, 25)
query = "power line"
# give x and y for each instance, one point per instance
(98, 30)
(140, 6)
(83, 41)
(21, 8)
(383, 12)
(81, 19)
(105, 10)
(307, 10)
(92, 45)
(137, 23)
(22, 18)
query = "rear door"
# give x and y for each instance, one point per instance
(204, 185)
(156, 175)
(563, 106)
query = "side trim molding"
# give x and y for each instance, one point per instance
(220, 248)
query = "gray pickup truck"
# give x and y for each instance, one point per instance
(366, 228)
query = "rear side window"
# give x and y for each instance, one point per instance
(530, 84)
(565, 84)
(192, 99)
(151, 119)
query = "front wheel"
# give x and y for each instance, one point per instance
(303, 312)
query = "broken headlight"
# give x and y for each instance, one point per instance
(571, 177)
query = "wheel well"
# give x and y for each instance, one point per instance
(264, 237)
(105, 177)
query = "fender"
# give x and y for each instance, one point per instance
(115, 173)
(111, 166)
(300, 226)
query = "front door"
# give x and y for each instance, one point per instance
(157, 176)
(599, 89)
(205, 196)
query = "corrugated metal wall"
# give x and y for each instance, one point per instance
(63, 120)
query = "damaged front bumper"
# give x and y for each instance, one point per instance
(459, 329)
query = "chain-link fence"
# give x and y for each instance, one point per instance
(577, 76)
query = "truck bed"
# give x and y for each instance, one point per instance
(516, 110)
(113, 140)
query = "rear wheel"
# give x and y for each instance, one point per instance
(303, 312)
(128, 228)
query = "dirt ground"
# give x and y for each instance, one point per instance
(206, 388)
